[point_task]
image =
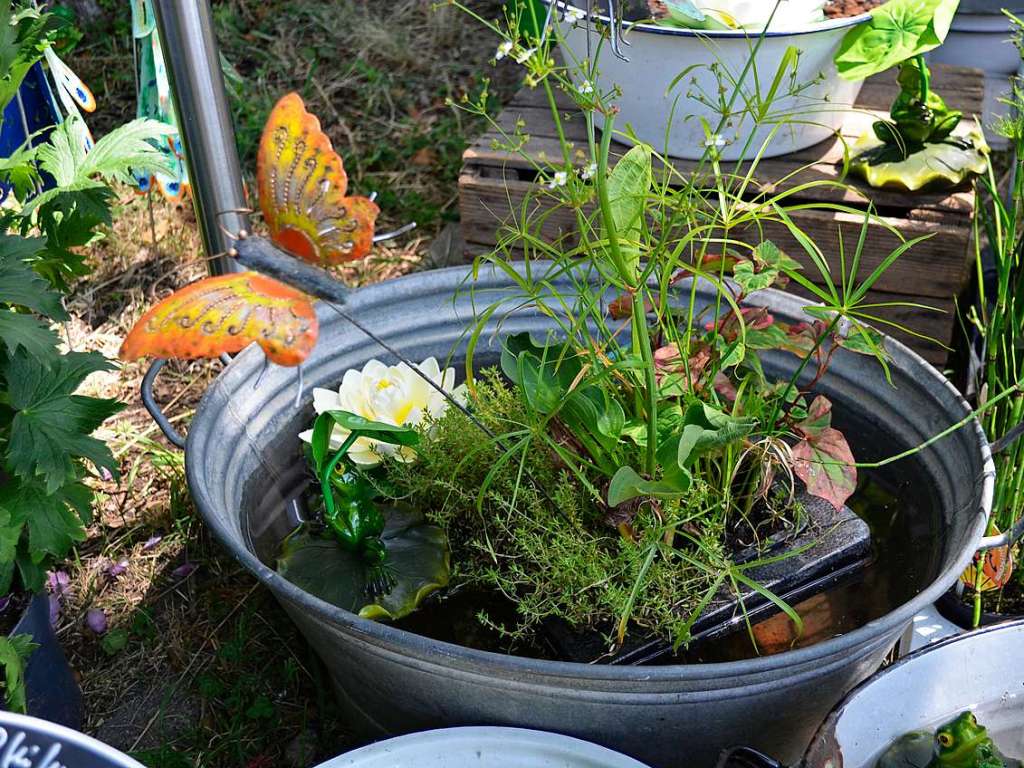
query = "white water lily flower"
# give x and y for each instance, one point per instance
(391, 394)
(754, 15)
(503, 50)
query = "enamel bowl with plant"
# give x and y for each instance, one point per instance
(769, 76)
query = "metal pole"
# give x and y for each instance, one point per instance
(207, 135)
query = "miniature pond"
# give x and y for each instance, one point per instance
(896, 501)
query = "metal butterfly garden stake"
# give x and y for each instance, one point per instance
(380, 562)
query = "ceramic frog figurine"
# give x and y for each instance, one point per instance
(964, 743)
(961, 743)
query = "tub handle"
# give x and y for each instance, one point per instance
(149, 401)
(746, 757)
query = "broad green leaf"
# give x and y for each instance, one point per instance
(897, 31)
(769, 254)
(51, 427)
(627, 484)
(18, 248)
(385, 433)
(629, 183)
(21, 286)
(28, 333)
(10, 534)
(14, 653)
(708, 429)
(749, 280)
(112, 159)
(416, 556)
(54, 520)
(864, 340)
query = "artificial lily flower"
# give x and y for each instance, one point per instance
(391, 394)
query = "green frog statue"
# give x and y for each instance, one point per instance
(961, 743)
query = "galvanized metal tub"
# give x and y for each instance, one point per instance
(243, 453)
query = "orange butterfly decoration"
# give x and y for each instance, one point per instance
(995, 572)
(302, 187)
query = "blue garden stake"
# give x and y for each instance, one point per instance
(41, 104)
(154, 102)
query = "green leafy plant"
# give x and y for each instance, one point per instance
(46, 446)
(14, 652)
(637, 461)
(997, 320)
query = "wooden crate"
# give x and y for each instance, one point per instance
(494, 184)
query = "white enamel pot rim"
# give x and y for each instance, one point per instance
(658, 29)
(969, 695)
(493, 747)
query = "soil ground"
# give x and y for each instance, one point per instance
(198, 665)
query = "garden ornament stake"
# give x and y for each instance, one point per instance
(194, 72)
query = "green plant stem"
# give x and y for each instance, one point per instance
(800, 369)
(628, 276)
(922, 68)
(944, 433)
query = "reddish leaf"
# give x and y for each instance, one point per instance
(818, 419)
(823, 459)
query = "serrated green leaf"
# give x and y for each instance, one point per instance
(52, 427)
(21, 286)
(52, 519)
(30, 334)
(10, 535)
(112, 159)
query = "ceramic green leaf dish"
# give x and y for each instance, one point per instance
(416, 564)
(938, 165)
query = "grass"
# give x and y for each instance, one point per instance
(199, 666)
(376, 73)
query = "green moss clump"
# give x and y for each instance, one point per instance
(520, 523)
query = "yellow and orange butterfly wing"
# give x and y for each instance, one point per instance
(225, 314)
(995, 572)
(303, 186)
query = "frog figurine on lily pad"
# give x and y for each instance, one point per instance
(377, 560)
(963, 742)
(924, 144)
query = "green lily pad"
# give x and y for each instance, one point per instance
(935, 166)
(417, 558)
